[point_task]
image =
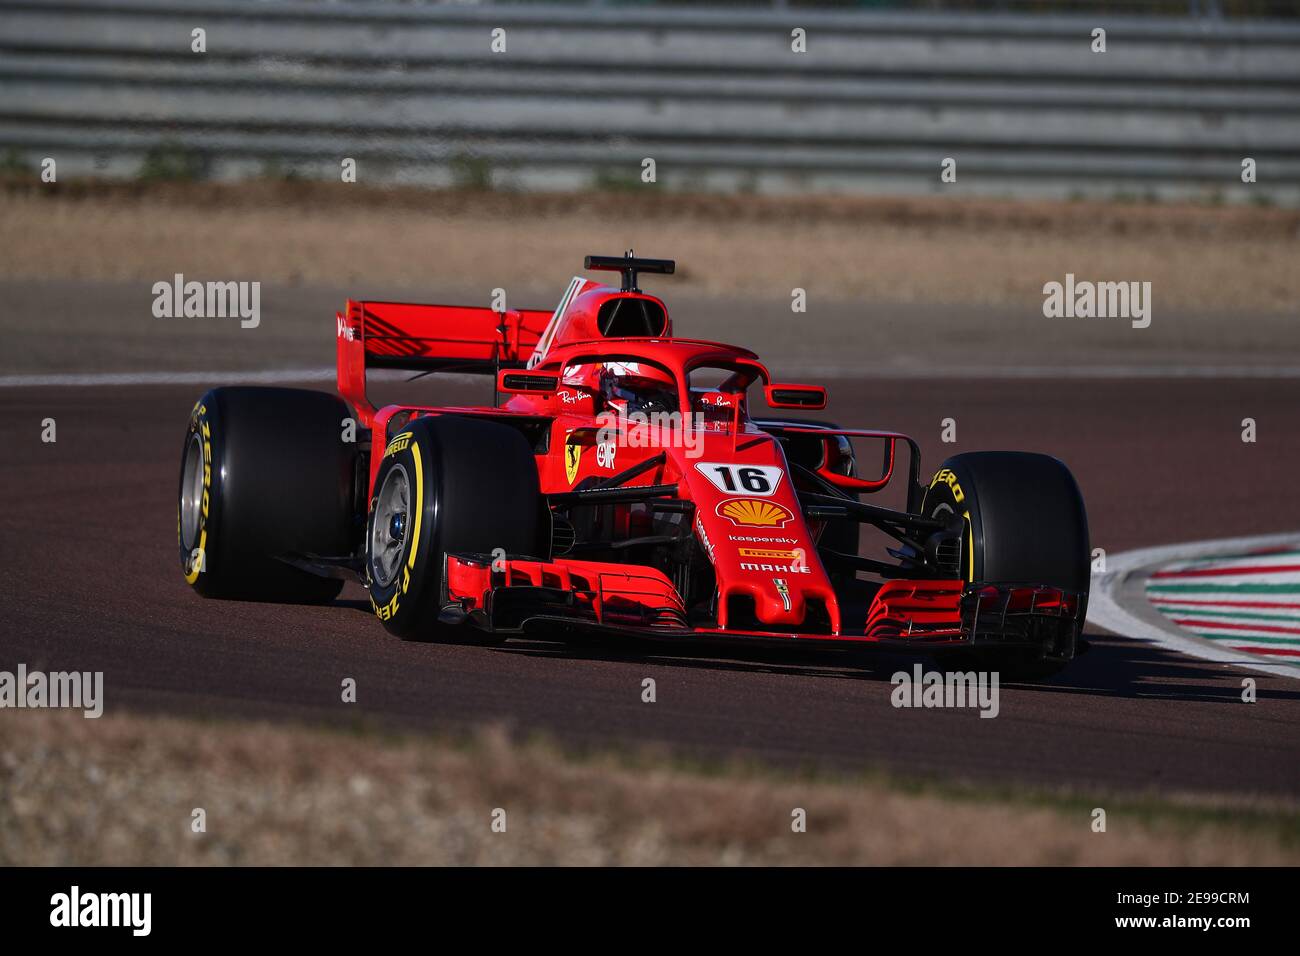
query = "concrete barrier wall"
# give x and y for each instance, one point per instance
(717, 98)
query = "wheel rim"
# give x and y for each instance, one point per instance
(388, 529)
(192, 492)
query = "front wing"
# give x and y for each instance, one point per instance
(515, 596)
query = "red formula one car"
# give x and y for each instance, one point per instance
(617, 486)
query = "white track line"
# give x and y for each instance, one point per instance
(267, 377)
(792, 367)
(77, 380)
(995, 372)
(1106, 610)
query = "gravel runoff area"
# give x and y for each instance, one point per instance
(123, 790)
(943, 249)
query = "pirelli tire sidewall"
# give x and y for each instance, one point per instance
(275, 479)
(948, 494)
(195, 553)
(474, 488)
(1024, 514)
(408, 605)
(1025, 524)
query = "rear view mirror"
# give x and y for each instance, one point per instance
(795, 396)
(528, 383)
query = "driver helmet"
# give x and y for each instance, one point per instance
(629, 387)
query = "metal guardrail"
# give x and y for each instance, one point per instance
(715, 97)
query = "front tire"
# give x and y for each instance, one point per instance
(1025, 524)
(446, 484)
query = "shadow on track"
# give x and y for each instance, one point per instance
(1124, 667)
(799, 663)
(1112, 667)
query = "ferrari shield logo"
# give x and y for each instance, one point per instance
(783, 589)
(572, 456)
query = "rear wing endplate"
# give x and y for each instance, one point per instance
(429, 338)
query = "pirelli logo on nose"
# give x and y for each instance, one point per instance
(769, 554)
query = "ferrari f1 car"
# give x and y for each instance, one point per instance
(618, 486)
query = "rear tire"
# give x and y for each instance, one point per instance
(1026, 524)
(447, 484)
(265, 473)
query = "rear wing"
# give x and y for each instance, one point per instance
(429, 338)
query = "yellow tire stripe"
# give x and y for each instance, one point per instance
(970, 546)
(419, 503)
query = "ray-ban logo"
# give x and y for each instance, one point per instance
(1084, 299)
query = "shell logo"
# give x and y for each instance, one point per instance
(754, 513)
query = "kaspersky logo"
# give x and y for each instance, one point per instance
(754, 513)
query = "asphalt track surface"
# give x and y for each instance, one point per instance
(108, 327)
(89, 580)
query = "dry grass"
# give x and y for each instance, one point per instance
(120, 791)
(935, 250)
